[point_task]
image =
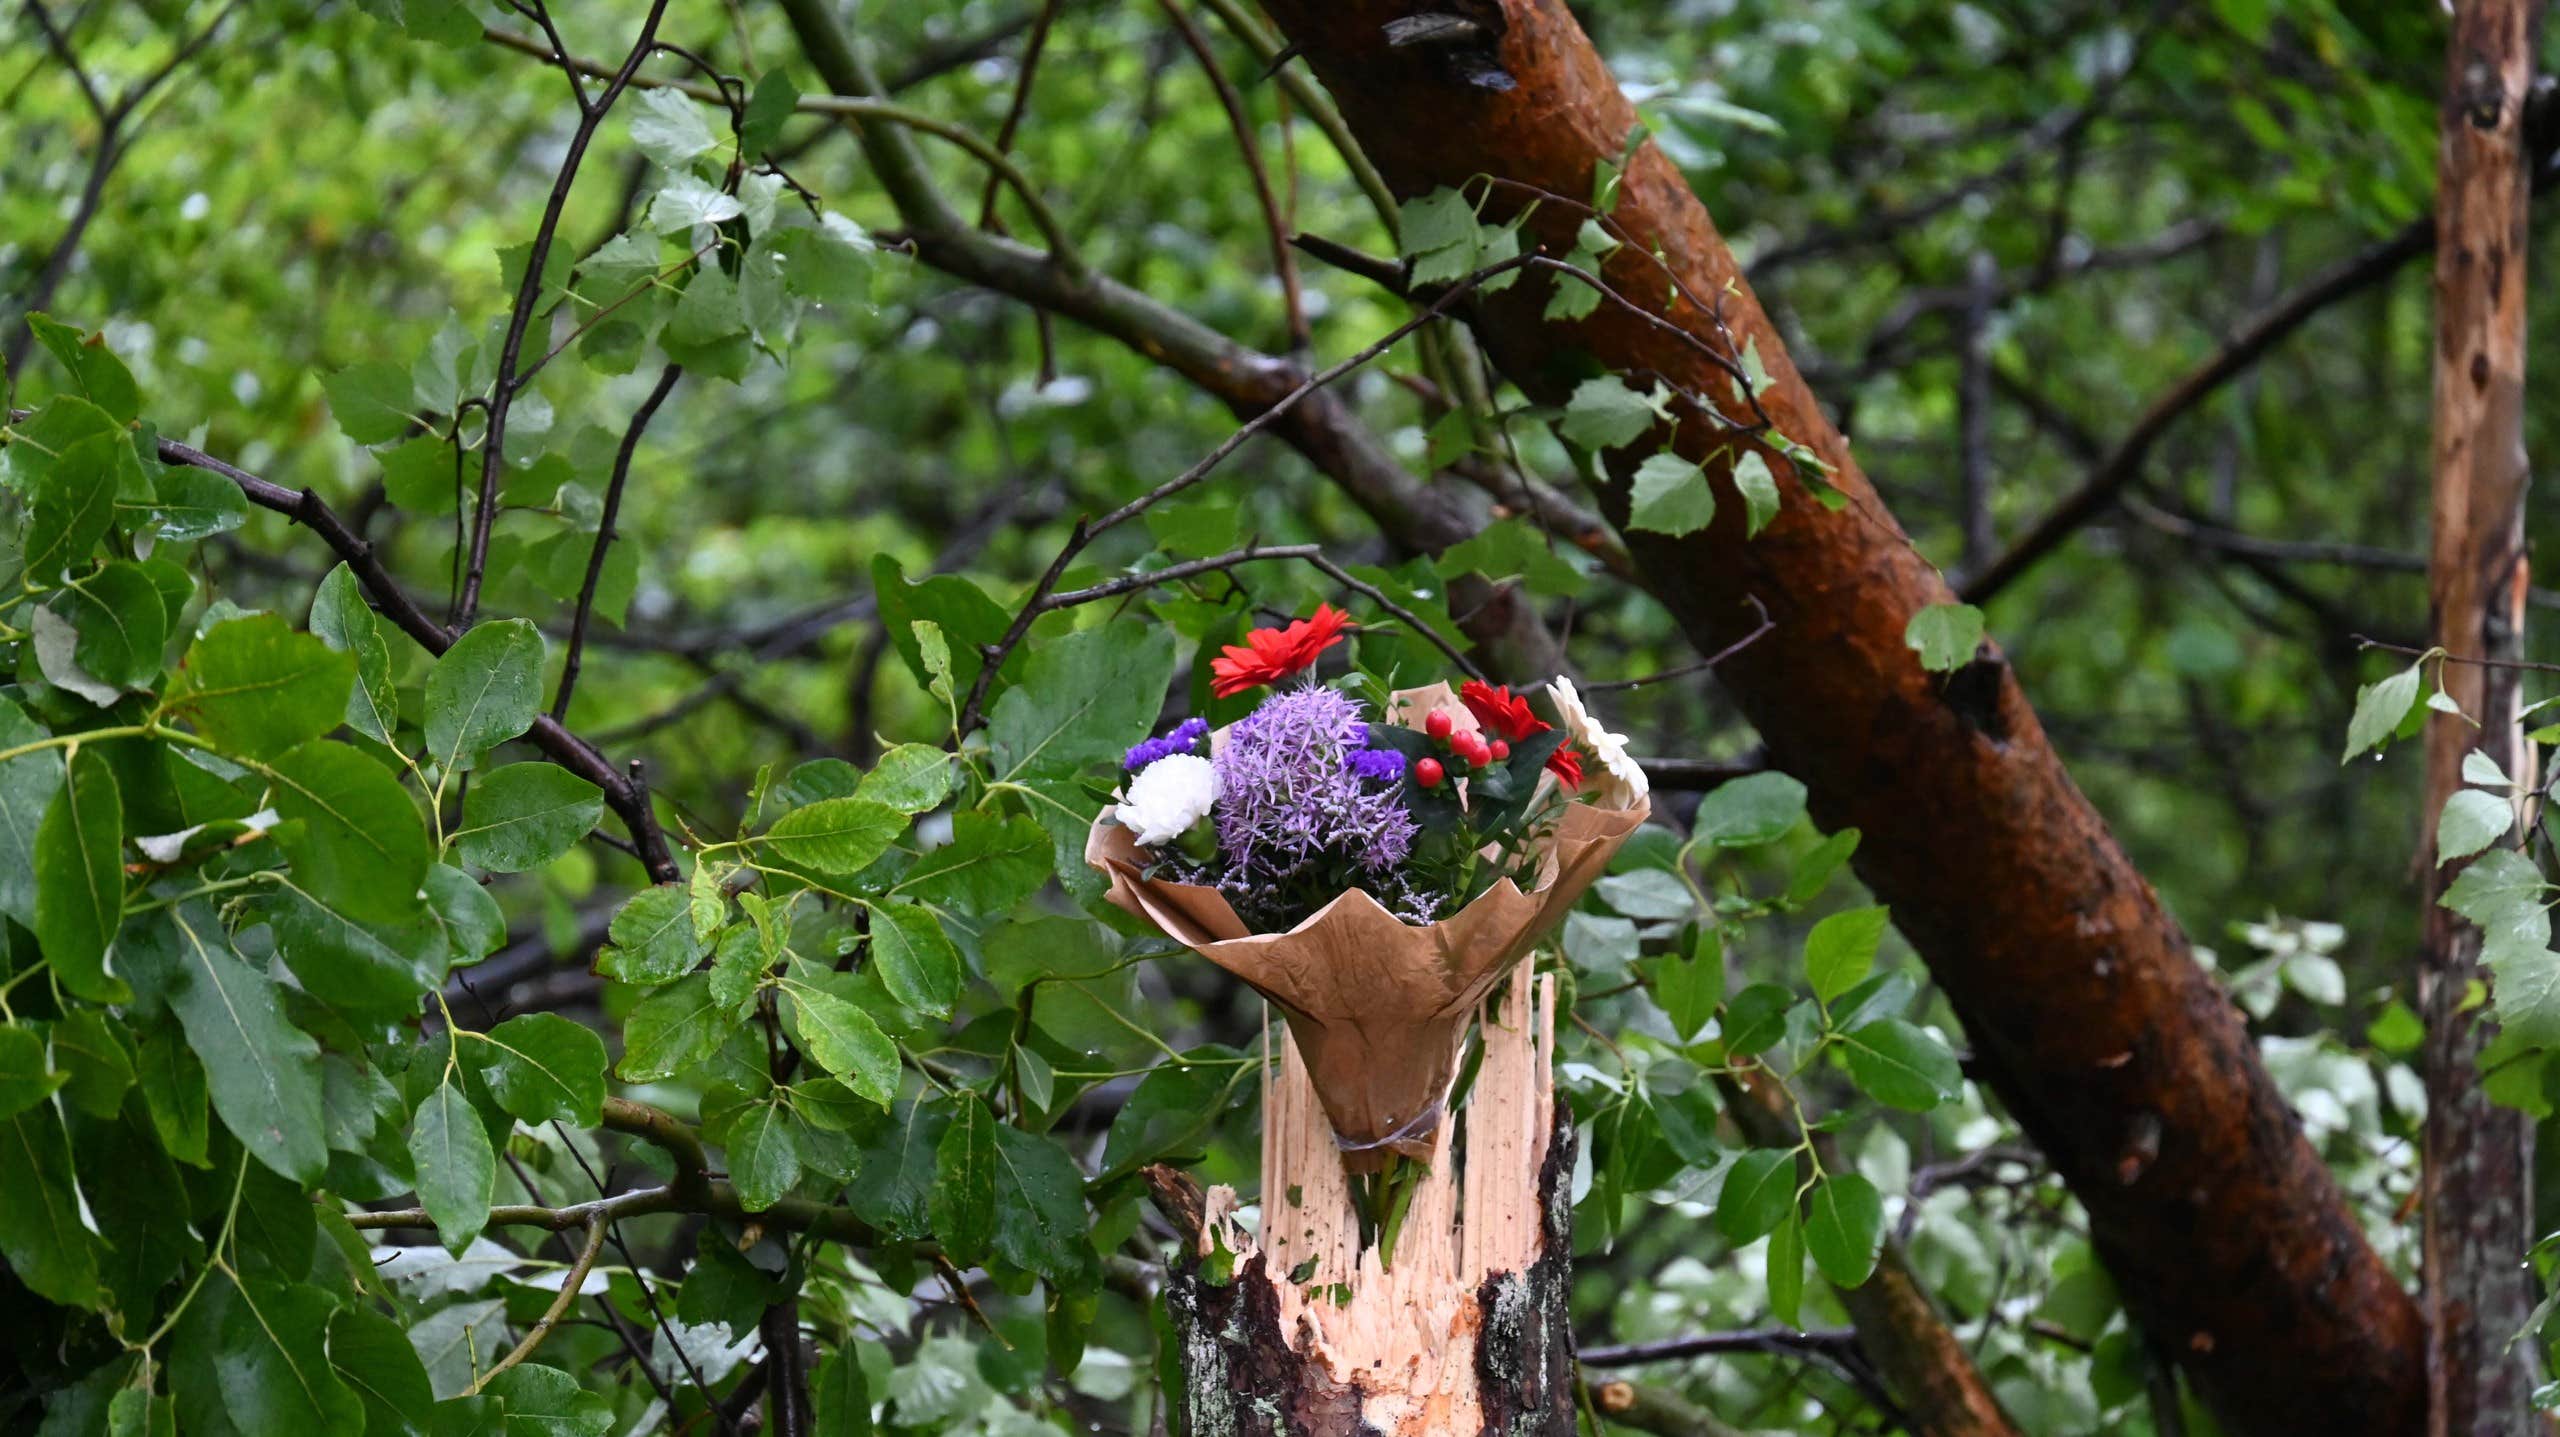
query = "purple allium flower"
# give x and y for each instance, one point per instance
(1185, 738)
(1288, 797)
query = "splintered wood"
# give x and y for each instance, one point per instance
(1402, 1339)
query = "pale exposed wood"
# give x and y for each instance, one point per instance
(1401, 1337)
(2478, 1210)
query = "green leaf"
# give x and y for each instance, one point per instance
(1670, 495)
(121, 625)
(372, 1356)
(764, 1156)
(1041, 1222)
(542, 1068)
(686, 201)
(910, 778)
(1844, 1227)
(524, 815)
(93, 1054)
(841, 1397)
(257, 688)
(1759, 490)
(547, 1402)
(370, 401)
(94, 367)
(771, 104)
(173, 1093)
(262, 1072)
(1083, 698)
(1754, 809)
(276, 1380)
(1786, 1271)
(74, 502)
(672, 1029)
(485, 690)
(960, 610)
(2471, 821)
(373, 967)
(1899, 1065)
(1689, 987)
(41, 1235)
(989, 865)
(79, 874)
(916, 961)
(1605, 414)
(1428, 224)
(1759, 1193)
(192, 504)
(963, 1203)
(449, 1150)
(846, 1042)
(360, 844)
(2381, 706)
(834, 836)
(342, 619)
(26, 1077)
(1944, 636)
(1841, 948)
(27, 786)
(654, 939)
(2526, 988)
(669, 127)
(1756, 1018)
(1174, 1108)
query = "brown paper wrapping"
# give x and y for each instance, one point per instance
(1378, 1005)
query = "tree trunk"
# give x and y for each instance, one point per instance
(2087, 1013)
(1301, 1330)
(2479, 1156)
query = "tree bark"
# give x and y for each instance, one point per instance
(2087, 1013)
(2478, 1202)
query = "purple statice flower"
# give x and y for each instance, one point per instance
(1379, 765)
(1185, 738)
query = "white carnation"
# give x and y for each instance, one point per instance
(1625, 784)
(1167, 797)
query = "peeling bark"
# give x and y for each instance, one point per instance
(2478, 1182)
(2088, 1015)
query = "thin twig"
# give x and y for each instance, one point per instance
(1284, 260)
(502, 393)
(605, 534)
(575, 1278)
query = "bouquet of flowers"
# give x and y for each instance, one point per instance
(1373, 862)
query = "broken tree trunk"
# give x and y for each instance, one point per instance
(2088, 1015)
(2478, 1180)
(1300, 1328)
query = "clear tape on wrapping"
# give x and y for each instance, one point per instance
(1417, 1128)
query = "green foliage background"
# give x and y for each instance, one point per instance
(299, 261)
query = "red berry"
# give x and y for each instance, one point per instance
(1427, 772)
(1501, 749)
(1437, 723)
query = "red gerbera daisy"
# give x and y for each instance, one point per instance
(1500, 710)
(1269, 655)
(1506, 713)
